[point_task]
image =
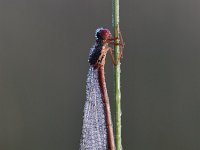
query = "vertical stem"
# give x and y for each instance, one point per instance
(117, 75)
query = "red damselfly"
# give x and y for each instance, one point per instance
(97, 130)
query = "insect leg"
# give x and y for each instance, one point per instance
(112, 56)
(121, 44)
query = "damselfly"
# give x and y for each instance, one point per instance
(97, 130)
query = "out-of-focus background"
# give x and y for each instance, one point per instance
(44, 46)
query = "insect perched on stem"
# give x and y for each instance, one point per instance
(97, 130)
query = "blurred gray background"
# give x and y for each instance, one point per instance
(44, 46)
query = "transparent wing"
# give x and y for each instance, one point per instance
(94, 135)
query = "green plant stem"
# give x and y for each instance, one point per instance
(117, 75)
